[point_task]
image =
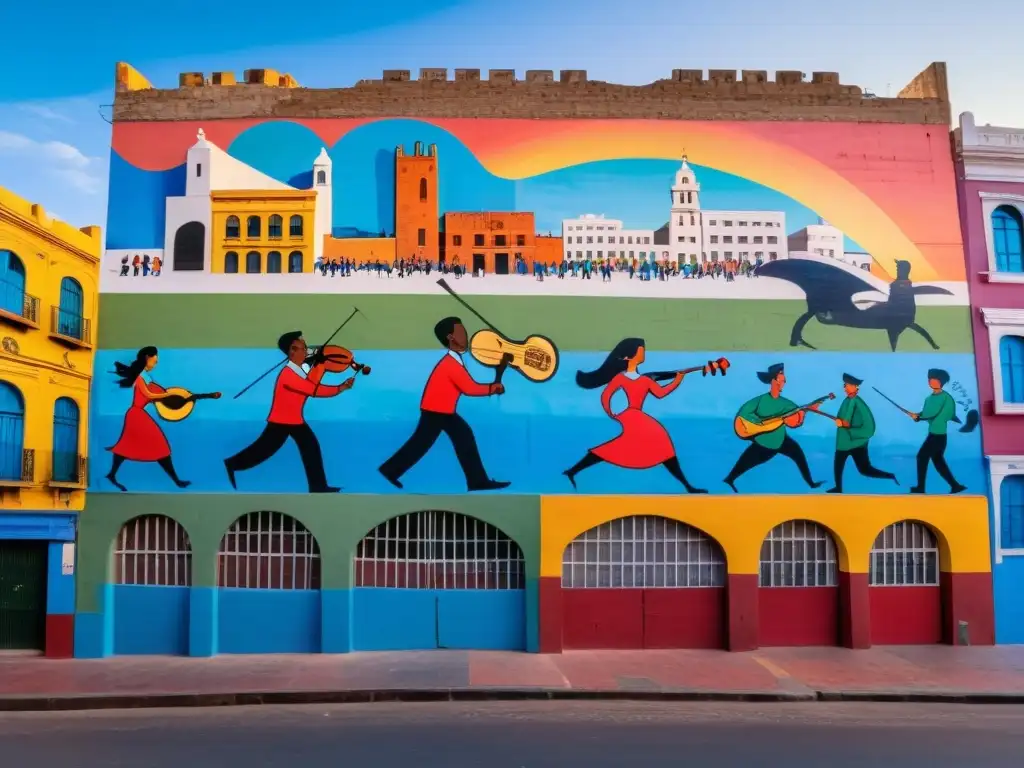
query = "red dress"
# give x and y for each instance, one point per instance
(141, 437)
(644, 443)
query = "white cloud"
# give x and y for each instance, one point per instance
(45, 112)
(58, 159)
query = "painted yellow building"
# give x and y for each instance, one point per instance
(49, 273)
(262, 231)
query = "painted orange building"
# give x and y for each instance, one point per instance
(489, 241)
(416, 206)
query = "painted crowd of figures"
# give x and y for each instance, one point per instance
(764, 422)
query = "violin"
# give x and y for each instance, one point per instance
(335, 359)
(713, 368)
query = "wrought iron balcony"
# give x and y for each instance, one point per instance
(13, 475)
(19, 307)
(70, 326)
(69, 470)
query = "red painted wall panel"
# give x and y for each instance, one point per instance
(684, 618)
(790, 616)
(550, 599)
(854, 610)
(968, 597)
(60, 636)
(602, 618)
(905, 615)
(743, 611)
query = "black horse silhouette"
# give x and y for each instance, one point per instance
(830, 290)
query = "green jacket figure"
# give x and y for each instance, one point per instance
(938, 410)
(855, 427)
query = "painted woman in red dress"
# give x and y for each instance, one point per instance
(141, 437)
(643, 442)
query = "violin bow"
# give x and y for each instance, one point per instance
(355, 311)
(444, 284)
(278, 364)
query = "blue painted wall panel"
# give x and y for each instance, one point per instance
(151, 620)
(60, 588)
(394, 619)
(203, 625)
(89, 639)
(336, 621)
(1007, 579)
(484, 619)
(268, 621)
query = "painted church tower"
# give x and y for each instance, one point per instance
(684, 224)
(323, 185)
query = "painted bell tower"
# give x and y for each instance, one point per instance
(417, 224)
(684, 224)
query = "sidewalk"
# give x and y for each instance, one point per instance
(924, 673)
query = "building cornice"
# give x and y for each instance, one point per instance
(31, 227)
(1013, 318)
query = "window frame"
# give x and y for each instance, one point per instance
(999, 468)
(1001, 323)
(990, 201)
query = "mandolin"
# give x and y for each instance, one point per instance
(748, 430)
(180, 402)
(535, 357)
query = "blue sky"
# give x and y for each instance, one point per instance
(54, 142)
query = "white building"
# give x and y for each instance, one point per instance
(209, 169)
(595, 237)
(822, 239)
(691, 235)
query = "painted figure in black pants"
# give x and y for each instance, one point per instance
(856, 427)
(938, 410)
(766, 445)
(448, 382)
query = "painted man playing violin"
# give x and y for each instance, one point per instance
(298, 381)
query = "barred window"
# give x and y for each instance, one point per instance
(268, 550)
(153, 550)
(439, 550)
(643, 551)
(904, 554)
(799, 553)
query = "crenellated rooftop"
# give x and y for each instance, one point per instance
(716, 94)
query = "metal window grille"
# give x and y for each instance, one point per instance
(153, 550)
(904, 554)
(268, 550)
(799, 553)
(643, 551)
(439, 550)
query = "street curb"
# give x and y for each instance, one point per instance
(922, 697)
(172, 700)
(83, 702)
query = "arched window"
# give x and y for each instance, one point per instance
(253, 263)
(232, 227)
(321, 177)
(423, 190)
(268, 550)
(12, 283)
(12, 431)
(295, 262)
(1011, 512)
(153, 551)
(642, 552)
(904, 554)
(231, 262)
(439, 550)
(274, 262)
(1008, 237)
(295, 225)
(72, 305)
(252, 226)
(798, 553)
(1011, 361)
(65, 441)
(275, 225)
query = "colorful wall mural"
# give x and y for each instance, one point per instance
(747, 364)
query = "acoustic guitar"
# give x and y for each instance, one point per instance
(748, 430)
(180, 402)
(536, 357)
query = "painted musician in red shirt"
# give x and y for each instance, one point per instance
(294, 386)
(447, 383)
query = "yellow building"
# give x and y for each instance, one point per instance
(49, 275)
(262, 231)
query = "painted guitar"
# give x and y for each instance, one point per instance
(535, 357)
(748, 430)
(180, 402)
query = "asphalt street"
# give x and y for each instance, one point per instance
(521, 735)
